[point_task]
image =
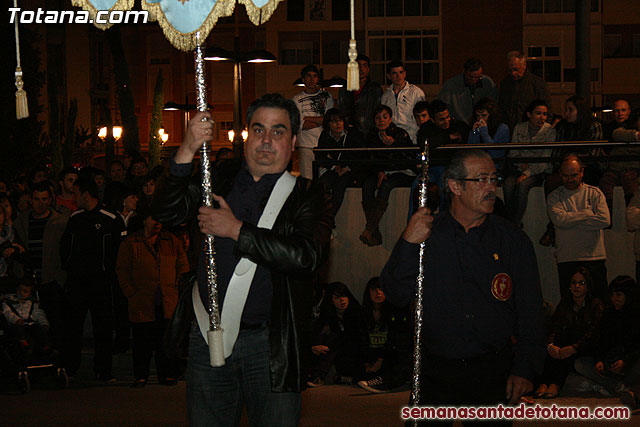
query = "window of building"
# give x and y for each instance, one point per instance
(622, 41)
(335, 46)
(222, 130)
(545, 62)
(417, 49)
(299, 48)
(340, 10)
(556, 6)
(382, 8)
(295, 10)
(319, 10)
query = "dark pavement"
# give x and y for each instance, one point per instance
(90, 403)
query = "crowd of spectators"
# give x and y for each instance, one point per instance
(88, 242)
(471, 109)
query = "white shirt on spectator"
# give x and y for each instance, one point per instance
(402, 107)
(579, 217)
(312, 105)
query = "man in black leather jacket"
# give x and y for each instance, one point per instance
(264, 369)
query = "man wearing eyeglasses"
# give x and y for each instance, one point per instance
(462, 91)
(580, 214)
(482, 328)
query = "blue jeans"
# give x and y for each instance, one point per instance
(336, 185)
(436, 175)
(516, 195)
(215, 396)
(394, 179)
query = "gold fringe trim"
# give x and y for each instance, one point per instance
(86, 5)
(260, 15)
(187, 42)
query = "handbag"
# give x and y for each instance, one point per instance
(176, 336)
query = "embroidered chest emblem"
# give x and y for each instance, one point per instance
(501, 286)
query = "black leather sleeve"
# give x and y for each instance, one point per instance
(176, 200)
(299, 242)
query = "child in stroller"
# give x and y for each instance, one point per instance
(28, 323)
(27, 326)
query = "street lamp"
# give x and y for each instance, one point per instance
(186, 108)
(256, 56)
(335, 81)
(116, 132)
(231, 135)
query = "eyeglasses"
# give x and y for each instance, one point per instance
(578, 282)
(484, 180)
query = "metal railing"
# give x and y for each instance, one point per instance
(449, 148)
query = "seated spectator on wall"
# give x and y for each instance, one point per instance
(488, 127)
(381, 179)
(624, 127)
(421, 112)
(615, 364)
(388, 330)
(524, 176)
(573, 331)
(337, 177)
(339, 335)
(441, 129)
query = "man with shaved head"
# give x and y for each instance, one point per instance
(579, 212)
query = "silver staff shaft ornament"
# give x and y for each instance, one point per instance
(418, 312)
(214, 334)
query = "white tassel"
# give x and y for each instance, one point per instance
(22, 108)
(353, 73)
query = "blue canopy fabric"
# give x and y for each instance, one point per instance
(180, 20)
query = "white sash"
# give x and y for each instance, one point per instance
(240, 282)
